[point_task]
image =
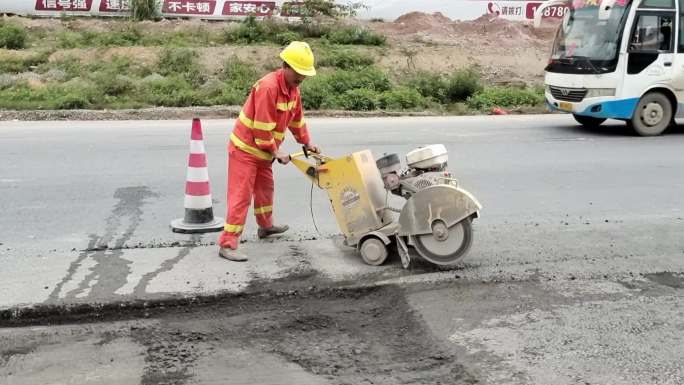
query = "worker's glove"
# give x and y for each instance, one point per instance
(282, 157)
(313, 148)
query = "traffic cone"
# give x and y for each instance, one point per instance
(199, 214)
(499, 111)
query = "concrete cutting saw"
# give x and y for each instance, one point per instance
(436, 217)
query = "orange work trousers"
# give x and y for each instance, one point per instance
(248, 176)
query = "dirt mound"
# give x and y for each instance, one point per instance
(438, 28)
(415, 22)
(422, 20)
(494, 28)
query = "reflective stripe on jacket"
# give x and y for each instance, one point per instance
(270, 109)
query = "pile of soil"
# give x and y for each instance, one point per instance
(438, 28)
(422, 22)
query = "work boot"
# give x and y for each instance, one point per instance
(273, 230)
(231, 254)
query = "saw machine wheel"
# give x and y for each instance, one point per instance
(373, 251)
(445, 245)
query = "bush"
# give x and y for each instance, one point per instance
(285, 38)
(114, 85)
(401, 98)
(182, 62)
(371, 78)
(463, 84)
(116, 64)
(355, 35)
(505, 97)
(430, 85)
(345, 59)
(192, 36)
(362, 99)
(311, 30)
(17, 96)
(172, 91)
(273, 27)
(144, 9)
(229, 96)
(7, 81)
(329, 90)
(315, 92)
(249, 31)
(456, 87)
(75, 94)
(70, 65)
(12, 36)
(239, 77)
(211, 89)
(127, 37)
(22, 64)
(71, 100)
(69, 39)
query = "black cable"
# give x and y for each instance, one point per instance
(313, 219)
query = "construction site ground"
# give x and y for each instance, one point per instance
(575, 275)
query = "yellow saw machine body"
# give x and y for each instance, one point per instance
(435, 219)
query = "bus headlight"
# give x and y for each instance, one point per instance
(598, 92)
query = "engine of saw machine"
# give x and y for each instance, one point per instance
(436, 216)
(427, 166)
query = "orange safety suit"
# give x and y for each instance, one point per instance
(270, 108)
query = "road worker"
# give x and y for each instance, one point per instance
(273, 105)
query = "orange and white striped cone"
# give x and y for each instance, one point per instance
(199, 214)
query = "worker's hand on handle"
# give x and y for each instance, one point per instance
(313, 148)
(282, 157)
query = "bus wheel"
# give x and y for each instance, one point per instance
(588, 121)
(653, 115)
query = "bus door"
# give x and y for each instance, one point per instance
(650, 53)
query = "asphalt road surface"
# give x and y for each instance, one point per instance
(576, 274)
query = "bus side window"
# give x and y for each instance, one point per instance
(681, 27)
(665, 33)
(652, 33)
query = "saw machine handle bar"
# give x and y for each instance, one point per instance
(306, 153)
(310, 163)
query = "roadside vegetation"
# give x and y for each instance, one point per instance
(39, 70)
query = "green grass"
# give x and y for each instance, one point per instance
(345, 59)
(348, 76)
(446, 89)
(13, 64)
(506, 97)
(249, 31)
(12, 36)
(356, 36)
(178, 80)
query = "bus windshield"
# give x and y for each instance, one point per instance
(586, 42)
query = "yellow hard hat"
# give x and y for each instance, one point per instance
(299, 56)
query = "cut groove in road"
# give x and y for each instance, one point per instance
(198, 243)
